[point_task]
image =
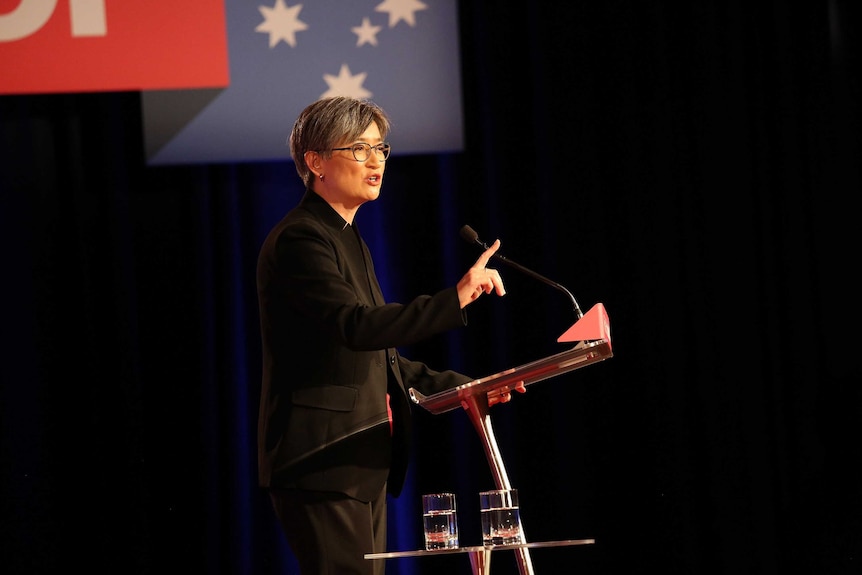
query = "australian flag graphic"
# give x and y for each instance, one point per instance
(402, 54)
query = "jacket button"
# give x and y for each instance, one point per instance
(392, 360)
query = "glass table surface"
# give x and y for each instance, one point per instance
(479, 548)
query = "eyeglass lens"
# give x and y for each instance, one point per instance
(361, 151)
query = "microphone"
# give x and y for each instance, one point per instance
(470, 235)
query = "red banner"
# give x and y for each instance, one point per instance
(50, 46)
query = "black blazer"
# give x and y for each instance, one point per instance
(329, 358)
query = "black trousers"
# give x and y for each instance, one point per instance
(330, 533)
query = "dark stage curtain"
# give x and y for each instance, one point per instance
(694, 167)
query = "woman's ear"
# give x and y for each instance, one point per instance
(312, 160)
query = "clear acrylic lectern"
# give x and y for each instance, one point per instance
(591, 333)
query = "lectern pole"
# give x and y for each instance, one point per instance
(477, 410)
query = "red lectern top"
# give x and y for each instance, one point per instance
(592, 332)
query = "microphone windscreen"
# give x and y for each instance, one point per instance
(469, 234)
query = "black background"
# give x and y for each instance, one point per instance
(692, 166)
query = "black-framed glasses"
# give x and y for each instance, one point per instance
(362, 151)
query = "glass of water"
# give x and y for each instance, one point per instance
(501, 517)
(440, 521)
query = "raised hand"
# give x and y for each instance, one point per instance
(480, 279)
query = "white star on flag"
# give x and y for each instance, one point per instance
(346, 84)
(282, 23)
(366, 34)
(401, 10)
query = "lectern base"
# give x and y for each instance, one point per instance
(480, 557)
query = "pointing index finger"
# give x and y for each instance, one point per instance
(482, 262)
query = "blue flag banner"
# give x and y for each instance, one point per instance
(402, 54)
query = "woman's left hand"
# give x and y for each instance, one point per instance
(504, 394)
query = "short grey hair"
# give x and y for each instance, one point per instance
(331, 123)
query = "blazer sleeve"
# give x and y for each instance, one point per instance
(426, 380)
(317, 282)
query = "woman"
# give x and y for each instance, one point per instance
(334, 424)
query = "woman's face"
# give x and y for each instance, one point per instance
(348, 182)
